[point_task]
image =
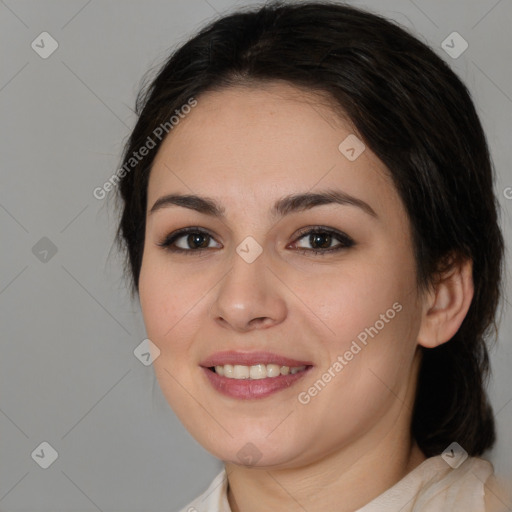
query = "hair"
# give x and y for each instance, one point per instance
(417, 117)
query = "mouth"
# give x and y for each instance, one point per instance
(257, 371)
(253, 375)
(240, 358)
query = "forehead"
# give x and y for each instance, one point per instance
(242, 142)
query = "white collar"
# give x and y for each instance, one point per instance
(430, 487)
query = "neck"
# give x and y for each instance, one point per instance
(346, 479)
(319, 486)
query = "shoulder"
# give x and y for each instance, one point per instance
(438, 485)
(470, 487)
(496, 497)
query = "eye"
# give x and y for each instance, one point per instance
(321, 240)
(195, 240)
(188, 240)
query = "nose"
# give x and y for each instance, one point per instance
(249, 297)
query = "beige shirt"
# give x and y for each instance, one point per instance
(433, 486)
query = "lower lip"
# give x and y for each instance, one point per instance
(247, 389)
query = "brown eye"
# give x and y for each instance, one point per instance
(195, 240)
(321, 239)
(188, 240)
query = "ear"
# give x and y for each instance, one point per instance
(447, 302)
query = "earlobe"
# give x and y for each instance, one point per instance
(447, 303)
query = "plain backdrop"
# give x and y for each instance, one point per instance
(69, 376)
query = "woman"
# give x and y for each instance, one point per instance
(310, 225)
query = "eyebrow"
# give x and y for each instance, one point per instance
(282, 207)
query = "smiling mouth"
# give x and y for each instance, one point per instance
(256, 372)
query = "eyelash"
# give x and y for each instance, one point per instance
(346, 241)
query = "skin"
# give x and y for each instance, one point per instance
(246, 148)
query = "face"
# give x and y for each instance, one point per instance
(256, 286)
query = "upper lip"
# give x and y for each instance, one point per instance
(250, 358)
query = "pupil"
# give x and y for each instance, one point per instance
(316, 237)
(196, 239)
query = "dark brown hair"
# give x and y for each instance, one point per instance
(414, 113)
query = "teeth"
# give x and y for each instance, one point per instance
(257, 371)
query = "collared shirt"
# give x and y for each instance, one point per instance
(433, 486)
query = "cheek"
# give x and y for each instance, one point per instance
(371, 311)
(173, 303)
(153, 300)
(355, 297)
(163, 297)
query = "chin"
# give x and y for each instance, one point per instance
(257, 452)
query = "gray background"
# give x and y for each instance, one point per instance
(68, 373)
